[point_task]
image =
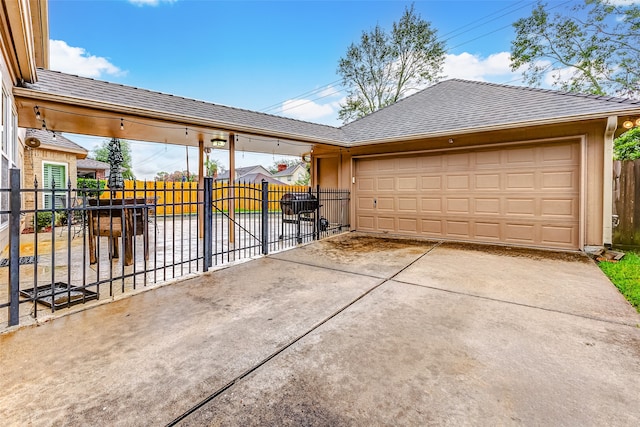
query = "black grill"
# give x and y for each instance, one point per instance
(297, 203)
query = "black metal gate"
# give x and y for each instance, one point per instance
(98, 247)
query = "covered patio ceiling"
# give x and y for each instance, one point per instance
(64, 103)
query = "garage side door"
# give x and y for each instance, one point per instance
(525, 195)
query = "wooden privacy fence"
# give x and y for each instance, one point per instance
(179, 198)
(626, 202)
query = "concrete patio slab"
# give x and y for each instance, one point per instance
(165, 349)
(324, 335)
(408, 355)
(360, 253)
(565, 282)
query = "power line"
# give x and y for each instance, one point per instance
(478, 23)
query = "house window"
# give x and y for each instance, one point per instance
(54, 173)
(8, 151)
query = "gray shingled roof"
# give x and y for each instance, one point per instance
(288, 171)
(240, 171)
(457, 105)
(92, 164)
(256, 178)
(54, 82)
(59, 143)
(449, 107)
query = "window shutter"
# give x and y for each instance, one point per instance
(53, 173)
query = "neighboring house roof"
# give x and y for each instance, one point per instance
(92, 164)
(447, 108)
(256, 178)
(240, 172)
(289, 171)
(60, 143)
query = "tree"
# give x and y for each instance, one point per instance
(102, 153)
(385, 67)
(213, 166)
(594, 47)
(627, 145)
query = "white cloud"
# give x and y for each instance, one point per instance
(76, 60)
(306, 109)
(150, 2)
(496, 67)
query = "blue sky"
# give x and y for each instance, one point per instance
(276, 57)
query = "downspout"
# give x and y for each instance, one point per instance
(607, 176)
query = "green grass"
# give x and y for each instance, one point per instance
(626, 276)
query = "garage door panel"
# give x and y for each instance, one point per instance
(407, 204)
(365, 184)
(488, 182)
(558, 235)
(458, 205)
(431, 163)
(559, 207)
(408, 164)
(385, 184)
(521, 233)
(408, 225)
(408, 183)
(457, 182)
(461, 161)
(525, 207)
(489, 206)
(488, 231)
(562, 153)
(488, 159)
(365, 203)
(366, 223)
(520, 157)
(431, 205)
(386, 204)
(431, 183)
(432, 227)
(458, 229)
(386, 165)
(386, 223)
(526, 195)
(559, 180)
(520, 181)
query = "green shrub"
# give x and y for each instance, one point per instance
(89, 187)
(42, 221)
(627, 145)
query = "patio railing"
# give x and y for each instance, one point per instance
(71, 246)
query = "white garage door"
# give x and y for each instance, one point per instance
(523, 195)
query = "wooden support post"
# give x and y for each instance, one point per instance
(232, 196)
(201, 187)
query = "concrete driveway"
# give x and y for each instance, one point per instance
(353, 330)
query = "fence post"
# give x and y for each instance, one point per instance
(14, 247)
(316, 224)
(207, 200)
(265, 217)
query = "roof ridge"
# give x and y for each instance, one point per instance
(186, 98)
(552, 91)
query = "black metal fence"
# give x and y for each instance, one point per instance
(69, 246)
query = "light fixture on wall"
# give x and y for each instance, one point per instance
(450, 141)
(121, 124)
(37, 111)
(627, 124)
